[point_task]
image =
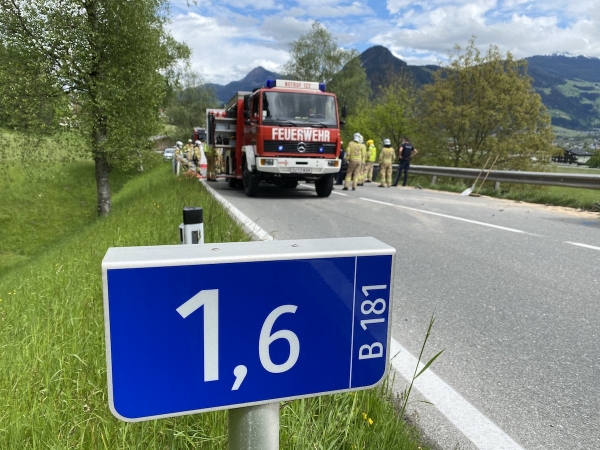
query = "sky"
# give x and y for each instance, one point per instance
(229, 38)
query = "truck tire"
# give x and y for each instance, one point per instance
(324, 186)
(251, 182)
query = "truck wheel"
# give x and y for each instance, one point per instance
(324, 186)
(251, 182)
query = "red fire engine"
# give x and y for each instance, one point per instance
(281, 133)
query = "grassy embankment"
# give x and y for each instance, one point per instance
(53, 392)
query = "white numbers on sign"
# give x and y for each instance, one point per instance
(266, 338)
(376, 307)
(210, 300)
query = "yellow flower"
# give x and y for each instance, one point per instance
(370, 421)
(364, 416)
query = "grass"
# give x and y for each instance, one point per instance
(53, 392)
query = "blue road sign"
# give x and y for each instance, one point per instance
(198, 328)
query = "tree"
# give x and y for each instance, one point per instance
(481, 105)
(351, 86)
(391, 114)
(188, 102)
(105, 57)
(316, 56)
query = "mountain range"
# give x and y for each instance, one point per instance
(569, 85)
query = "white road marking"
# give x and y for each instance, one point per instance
(513, 230)
(583, 245)
(465, 417)
(480, 430)
(257, 232)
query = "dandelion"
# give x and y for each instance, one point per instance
(364, 416)
(370, 421)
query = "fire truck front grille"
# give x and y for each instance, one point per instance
(302, 148)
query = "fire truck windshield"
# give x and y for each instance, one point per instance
(298, 108)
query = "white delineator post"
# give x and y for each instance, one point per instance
(191, 231)
(250, 427)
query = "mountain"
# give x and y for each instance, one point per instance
(569, 85)
(255, 78)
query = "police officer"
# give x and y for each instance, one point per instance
(386, 158)
(371, 158)
(405, 152)
(354, 156)
(211, 155)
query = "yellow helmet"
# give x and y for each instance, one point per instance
(370, 142)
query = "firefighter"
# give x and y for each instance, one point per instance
(354, 155)
(188, 150)
(210, 154)
(178, 150)
(371, 158)
(196, 156)
(386, 157)
(361, 174)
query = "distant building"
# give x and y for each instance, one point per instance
(573, 155)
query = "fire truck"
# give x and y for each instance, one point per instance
(281, 133)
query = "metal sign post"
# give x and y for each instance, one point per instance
(197, 328)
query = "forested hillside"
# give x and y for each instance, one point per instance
(569, 85)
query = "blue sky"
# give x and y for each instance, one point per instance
(231, 37)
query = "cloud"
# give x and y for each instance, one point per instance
(529, 28)
(231, 37)
(222, 50)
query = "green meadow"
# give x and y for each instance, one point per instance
(53, 387)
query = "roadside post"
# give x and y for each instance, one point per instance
(246, 326)
(191, 231)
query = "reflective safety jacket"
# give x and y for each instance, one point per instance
(354, 151)
(371, 153)
(386, 156)
(209, 150)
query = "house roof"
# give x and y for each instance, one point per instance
(579, 152)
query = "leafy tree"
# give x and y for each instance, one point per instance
(391, 114)
(351, 86)
(316, 56)
(188, 102)
(102, 57)
(484, 104)
(594, 161)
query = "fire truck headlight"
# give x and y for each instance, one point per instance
(334, 163)
(266, 162)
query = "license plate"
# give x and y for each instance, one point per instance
(301, 170)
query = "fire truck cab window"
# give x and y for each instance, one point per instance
(298, 108)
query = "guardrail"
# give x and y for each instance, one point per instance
(512, 176)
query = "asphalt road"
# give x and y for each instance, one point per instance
(514, 287)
